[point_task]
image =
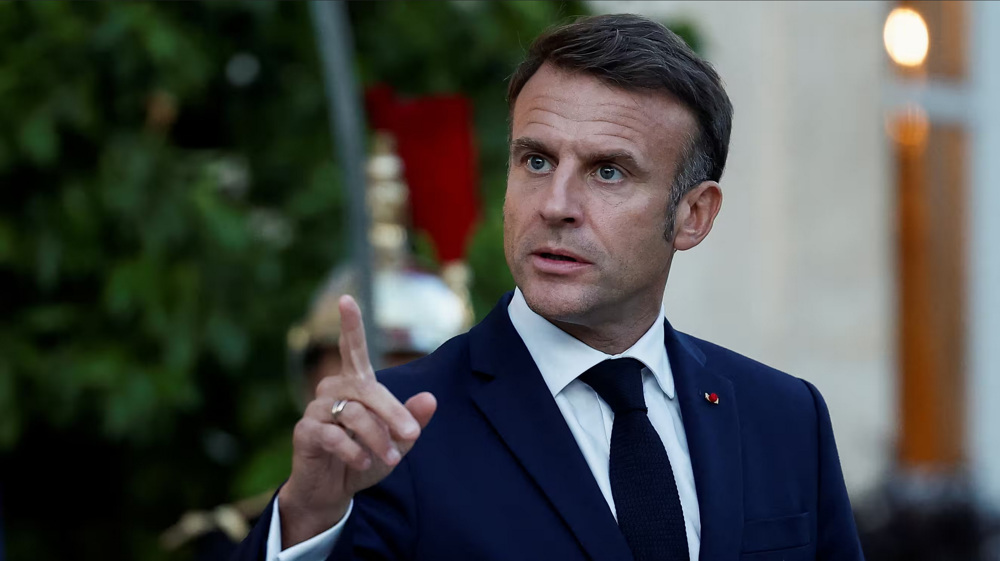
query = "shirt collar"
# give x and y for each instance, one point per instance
(561, 358)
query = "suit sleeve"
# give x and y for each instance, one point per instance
(381, 526)
(384, 524)
(254, 546)
(837, 534)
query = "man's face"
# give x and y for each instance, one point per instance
(587, 195)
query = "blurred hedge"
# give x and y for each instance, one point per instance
(169, 203)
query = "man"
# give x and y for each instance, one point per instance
(574, 422)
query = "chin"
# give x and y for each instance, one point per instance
(556, 303)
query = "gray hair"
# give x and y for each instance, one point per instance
(694, 167)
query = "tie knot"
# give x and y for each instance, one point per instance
(619, 383)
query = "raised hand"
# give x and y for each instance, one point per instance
(338, 454)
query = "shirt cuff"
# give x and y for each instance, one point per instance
(316, 548)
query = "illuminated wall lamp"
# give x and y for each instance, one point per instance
(906, 37)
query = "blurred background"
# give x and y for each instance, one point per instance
(173, 199)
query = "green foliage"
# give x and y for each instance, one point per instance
(160, 229)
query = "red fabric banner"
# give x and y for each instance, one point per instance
(434, 139)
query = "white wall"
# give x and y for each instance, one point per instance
(984, 290)
(798, 272)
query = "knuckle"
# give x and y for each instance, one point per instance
(334, 437)
(358, 455)
(346, 453)
(410, 439)
(302, 432)
(315, 407)
(327, 386)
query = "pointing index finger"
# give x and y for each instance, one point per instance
(353, 345)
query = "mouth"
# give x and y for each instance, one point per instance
(558, 261)
(557, 257)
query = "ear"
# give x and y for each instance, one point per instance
(696, 214)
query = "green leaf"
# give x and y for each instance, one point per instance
(37, 137)
(265, 469)
(48, 257)
(50, 318)
(227, 340)
(8, 241)
(10, 413)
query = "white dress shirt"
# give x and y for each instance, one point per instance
(561, 359)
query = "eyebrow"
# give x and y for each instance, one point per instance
(526, 144)
(620, 157)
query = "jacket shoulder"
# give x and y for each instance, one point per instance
(753, 378)
(437, 372)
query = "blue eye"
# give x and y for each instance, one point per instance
(609, 173)
(538, 163)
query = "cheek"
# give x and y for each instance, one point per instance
(508, 220)
(509, 231)
(635, 223)
(636, 240)
(514, 205)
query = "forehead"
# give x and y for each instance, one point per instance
(563, 106)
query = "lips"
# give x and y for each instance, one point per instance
(553, 262)
(559, 255)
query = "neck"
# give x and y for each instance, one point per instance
(613, 337)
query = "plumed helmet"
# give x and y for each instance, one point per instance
(415, 310)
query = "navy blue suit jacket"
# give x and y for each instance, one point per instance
(498, 475)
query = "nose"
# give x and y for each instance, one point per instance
(560, 202)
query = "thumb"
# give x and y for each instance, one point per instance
(422, 406)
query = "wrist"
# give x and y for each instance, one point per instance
(303, 518)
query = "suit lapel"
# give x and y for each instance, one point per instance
(713, 435)
(515, 400)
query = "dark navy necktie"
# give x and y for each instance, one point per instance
(642, 481)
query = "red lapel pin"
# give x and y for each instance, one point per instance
(712, 398)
